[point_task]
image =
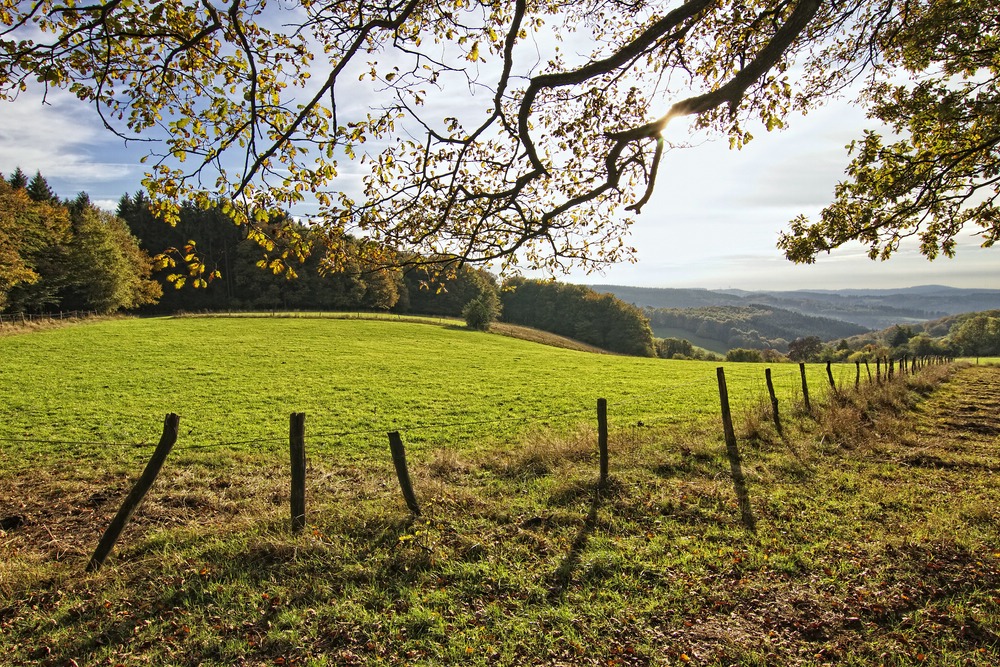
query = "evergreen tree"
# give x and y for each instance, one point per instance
(39, 190)
(18, 180)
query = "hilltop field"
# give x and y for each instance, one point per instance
(865, 533)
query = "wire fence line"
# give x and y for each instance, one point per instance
(19, 319)
(634, 408)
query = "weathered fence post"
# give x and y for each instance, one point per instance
(399, 461)
(602, 439)
(774, 400)
(297, 450)
(805, 386)
(857, 374)
(878, 370)
(892, 364)
(829, 375)
(869, 370)
(727, 417)
(733, 453)
(171, 424)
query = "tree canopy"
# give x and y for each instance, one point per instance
(66, 256)
(553, 131)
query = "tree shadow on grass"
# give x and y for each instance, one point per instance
(185, 594)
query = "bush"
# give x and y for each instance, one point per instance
(482, 311)
(741, 354)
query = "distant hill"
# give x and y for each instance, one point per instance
(870, 308)
(938, 328)
(756, 326)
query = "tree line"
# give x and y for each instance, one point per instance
(753, 326)
(578, 312)
(970, 334)
(325, 282)
(66, 254)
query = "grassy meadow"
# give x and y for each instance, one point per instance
(235, 380)
(867, 532)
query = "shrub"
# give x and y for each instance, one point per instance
(741, 354)
(482, 311)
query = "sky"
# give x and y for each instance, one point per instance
(713, 221)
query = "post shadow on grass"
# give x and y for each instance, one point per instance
(563, 575)
(733, 454)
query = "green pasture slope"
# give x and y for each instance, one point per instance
(865, 535)
(236, 380)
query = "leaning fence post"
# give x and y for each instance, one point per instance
(602, 439)
(774, 400)
(399, 461)
(733, 453)
(857, 374)
(869, 370)
(171, 424)
(297, 451)
(805, 386)
(829, 375)
(727, 417)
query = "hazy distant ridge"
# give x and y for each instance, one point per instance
(875, 308)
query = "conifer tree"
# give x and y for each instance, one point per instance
(39, 190)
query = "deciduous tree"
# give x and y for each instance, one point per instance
(805, 349)
(978, 336)
(559, 137)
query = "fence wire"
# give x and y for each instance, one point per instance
(626, 408)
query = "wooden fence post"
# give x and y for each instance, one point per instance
(878, 369)
(171, 424)
(774, 400)
(399, 461)
(727, 417)
(857, 374)
(733, 453)
(869, 370)
(602, 439)
(829, 375)
(805, 386)
(892, 364)
(297, 451)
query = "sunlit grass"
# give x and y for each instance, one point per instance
(236, 381)
(875, 540)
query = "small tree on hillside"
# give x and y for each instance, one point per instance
(482, 311)
(804, 349)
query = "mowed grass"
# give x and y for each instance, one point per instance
(872, 533)
(236, 381)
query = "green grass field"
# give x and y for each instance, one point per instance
(236, 380)
(866, 535)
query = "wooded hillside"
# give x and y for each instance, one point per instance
(871, 308)
(754, 326)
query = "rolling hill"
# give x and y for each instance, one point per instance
(872, 309)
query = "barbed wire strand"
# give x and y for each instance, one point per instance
(620, 406)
